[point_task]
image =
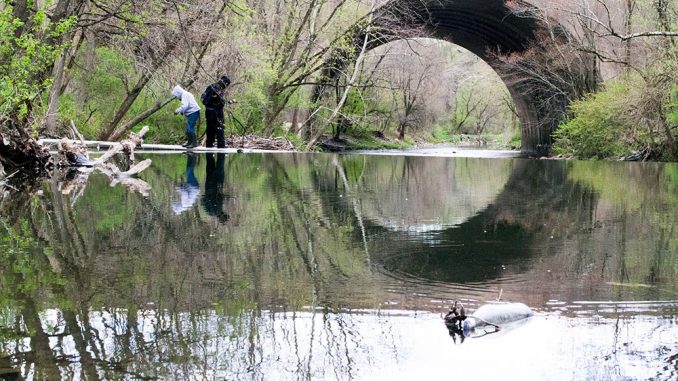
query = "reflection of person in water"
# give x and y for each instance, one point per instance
(456, 315)
(189, 190)
(453, 321)
(456, 332)
(213, 198)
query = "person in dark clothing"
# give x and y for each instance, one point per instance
(213, 198)
(214, 99)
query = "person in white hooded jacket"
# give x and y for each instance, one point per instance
(190, 109)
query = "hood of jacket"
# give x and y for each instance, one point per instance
(178, 91)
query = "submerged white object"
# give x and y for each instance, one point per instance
(503, 313)
(496, 315)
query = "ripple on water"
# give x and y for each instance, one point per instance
(424, 293)
(621, 309)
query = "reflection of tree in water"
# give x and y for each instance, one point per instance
(534, 199)
(104, 260)
(155, 340)
(119, 285)
(424, 193)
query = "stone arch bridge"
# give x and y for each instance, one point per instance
(502, 33)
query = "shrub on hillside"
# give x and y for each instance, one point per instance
(631, 116)
(597, 128)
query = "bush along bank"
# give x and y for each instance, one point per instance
(632, 118)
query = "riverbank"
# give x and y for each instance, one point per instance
(446, 150)
(380, 141)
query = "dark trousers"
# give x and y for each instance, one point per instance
(215, 127)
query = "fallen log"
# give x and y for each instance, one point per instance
(75, 154)
(128, 145)
(233, 143)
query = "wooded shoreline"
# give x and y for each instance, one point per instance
(351, 69)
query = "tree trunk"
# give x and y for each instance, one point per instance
(78, 38)
(663, 14)
(88, 65)
(295, 121)
(60, 81)
(628, 25)
(126, 105)
(118, 133)
(21, 12)
(115, 133)
(55, 91)
(664, 21)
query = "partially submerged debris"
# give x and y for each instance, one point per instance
(74, 155)
(488, 318)
(23, 153)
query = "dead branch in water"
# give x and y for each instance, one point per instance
(75, 156)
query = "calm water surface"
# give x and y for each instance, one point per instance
(319, 266)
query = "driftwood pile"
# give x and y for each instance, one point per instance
(258, 142)
(22, 152)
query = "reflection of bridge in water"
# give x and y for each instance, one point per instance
(509, 229)
(546, 233)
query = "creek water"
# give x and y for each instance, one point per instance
(272, 266)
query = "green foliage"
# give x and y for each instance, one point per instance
(355, 109)
(369, 142)
(99, 92)
(28, 50)
(355, 104)
(597, 128)
(515, 142)
(441, 134)
(296, 141)
(637, 113)
(672, 108)
(252, 103)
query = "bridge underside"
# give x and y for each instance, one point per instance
(519, 46)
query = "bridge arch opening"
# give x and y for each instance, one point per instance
(440, 88)
(512, 37)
